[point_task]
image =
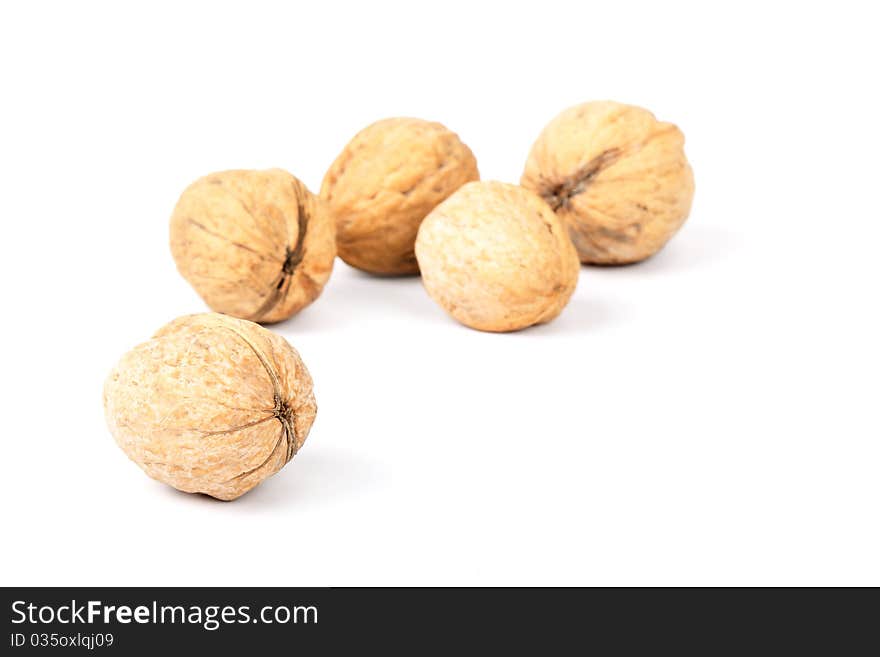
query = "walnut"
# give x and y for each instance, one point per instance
(254, 244)
(211, 404)
(385, 181)
(616, 176)
(496, 257)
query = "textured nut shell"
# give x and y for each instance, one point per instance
(497, 258)
(384, 183)
(211, 404)
(616, 176)
(254, 244)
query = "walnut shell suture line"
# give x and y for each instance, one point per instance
(254, 244)
(211, 404)
(616, 176)
(384, 183)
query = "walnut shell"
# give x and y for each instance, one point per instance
(616, 176)
(254, 244)
(211, 404)
(496, 257)
(384, 183)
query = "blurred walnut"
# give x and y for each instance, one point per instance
(211, 404)
(254, 244)
(385, 181)
(616, 176)
(496, 257)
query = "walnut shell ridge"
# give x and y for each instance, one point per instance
(253, 244)
(384, 183)
(211, 404)
(497, 258)
(616, 176)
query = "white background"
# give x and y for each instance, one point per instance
(707, 417)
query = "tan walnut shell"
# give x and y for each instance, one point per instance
(384, 183)
(497, 258)
(211, 404)
(616, 176)
(254, 244)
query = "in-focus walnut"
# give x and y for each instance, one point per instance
(496, 257)
(254, 244)
(616, 176)
(385, 181)
(211, 404)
